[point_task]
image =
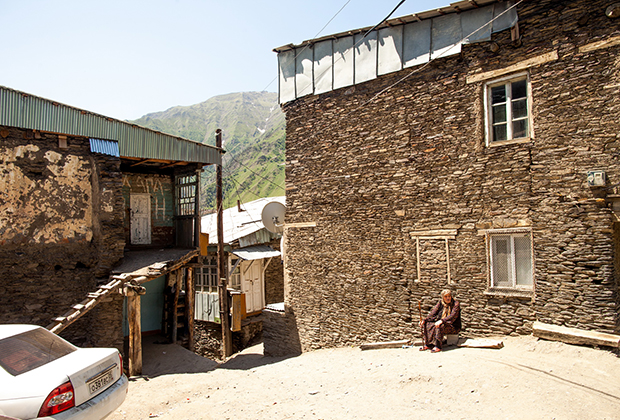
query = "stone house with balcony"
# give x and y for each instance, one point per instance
(96, 213)
(474, 147)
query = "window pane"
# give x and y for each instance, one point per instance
(523, 257)
(519, 129)
(501, 261)
(498, 94)
(29, 350)
(499, 113)
(519, 108)
(519, 89)
(500, 132)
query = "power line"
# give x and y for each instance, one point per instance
(417, 70)
(316, 36)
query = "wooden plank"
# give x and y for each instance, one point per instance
(385, 345)
(482, 343)
(606, 43)
(236, 312)
(521, 65)
(190, 296)
(442, 233)
(135, 335)
(300, 225)
(574, 335)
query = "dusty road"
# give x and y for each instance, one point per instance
(527, 379)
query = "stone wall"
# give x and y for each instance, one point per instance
(373, 172)
(61, 224)
(274, 277)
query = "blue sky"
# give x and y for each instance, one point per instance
(127, 58)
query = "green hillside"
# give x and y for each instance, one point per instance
(253, 132)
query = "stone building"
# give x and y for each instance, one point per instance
(474, 147)
(86, 199)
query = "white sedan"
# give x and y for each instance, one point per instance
(44, 376)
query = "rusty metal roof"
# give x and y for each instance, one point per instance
(20, 109)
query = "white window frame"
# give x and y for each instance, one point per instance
(488, 111)
(235, 277)
(514, 288)
(206, 276)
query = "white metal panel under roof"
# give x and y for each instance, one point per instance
(335, 61)
(239, 224)
(257, 252)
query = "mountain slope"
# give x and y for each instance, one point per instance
(253, 131)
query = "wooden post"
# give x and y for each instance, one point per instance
(221, 261)
(135, 333)
(190, 296)
(197, 210)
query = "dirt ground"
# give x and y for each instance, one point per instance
(527, 379)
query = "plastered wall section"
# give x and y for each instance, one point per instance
(160, 189)
(60, 232)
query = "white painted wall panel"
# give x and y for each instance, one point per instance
(365, 57)
(304, 83)
(323, 68)
(343, 62)
(417, 43)
(286, 64)
(476, 26)
(390, 50)
(445, 35)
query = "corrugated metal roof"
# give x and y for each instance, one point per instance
(105, 147)
(19, 109)
(257, 252)
(240, 224)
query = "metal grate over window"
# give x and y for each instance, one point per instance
(511, 261)
(186, 187)
(206, 276)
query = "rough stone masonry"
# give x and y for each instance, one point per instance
(405, 192)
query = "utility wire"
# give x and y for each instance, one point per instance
(417, 70)
(316, 36)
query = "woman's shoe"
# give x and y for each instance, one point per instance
(436, 350)
(424, 348)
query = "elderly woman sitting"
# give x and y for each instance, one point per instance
(444, 318)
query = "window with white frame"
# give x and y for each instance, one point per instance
(206, 276)
(511, 260)
(507, 107)
(235, 278)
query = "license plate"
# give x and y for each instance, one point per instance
(100, 381)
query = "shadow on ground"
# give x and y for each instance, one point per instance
(161, 358)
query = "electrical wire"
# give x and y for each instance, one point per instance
(316, 36)
(417, 70)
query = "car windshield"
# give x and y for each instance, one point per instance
(31, 349)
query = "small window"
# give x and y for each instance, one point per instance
(508, 110)
(206, 277)
(235, 278)
(511, 261)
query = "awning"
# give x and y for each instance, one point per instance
(257, 252)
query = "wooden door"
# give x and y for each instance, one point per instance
(140, 219)
(252, 285)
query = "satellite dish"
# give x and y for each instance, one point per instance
(273, 217)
